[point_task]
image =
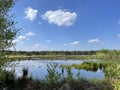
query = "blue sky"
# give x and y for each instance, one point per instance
(67, 24)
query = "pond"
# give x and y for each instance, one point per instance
(38, 68)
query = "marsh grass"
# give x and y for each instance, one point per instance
(75, 84)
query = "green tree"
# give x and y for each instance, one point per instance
(8, 30)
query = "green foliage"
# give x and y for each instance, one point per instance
(69, 73)
(108, 54)
(53, 75)
(116, 84)
(7, 25)
(89, 66)
(112, 71)
(6, 79)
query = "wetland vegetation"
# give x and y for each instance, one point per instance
(54, 79)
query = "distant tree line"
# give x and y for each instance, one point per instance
(101, 54)
(50, 52)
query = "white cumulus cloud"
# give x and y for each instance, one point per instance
(30, 33)
(15, 41)
(75, 43)
(21, 38)
(30, 13)
(60, 17)
(95, 41)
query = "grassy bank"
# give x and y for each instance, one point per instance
(50, 57)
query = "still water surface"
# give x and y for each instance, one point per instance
(38, 69)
